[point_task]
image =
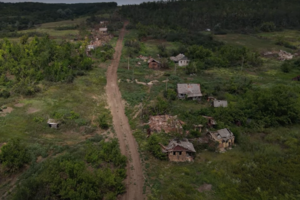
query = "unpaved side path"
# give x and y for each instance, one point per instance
(128, 145)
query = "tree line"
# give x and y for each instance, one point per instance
(19, 16)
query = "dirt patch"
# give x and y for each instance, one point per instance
(39, 159)
(6, 111)
(205, 187)
(19, 105)
(32, 110)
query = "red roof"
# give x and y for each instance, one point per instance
(179, 148)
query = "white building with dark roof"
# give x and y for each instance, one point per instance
(181, 59)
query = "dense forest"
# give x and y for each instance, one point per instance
(199, 15)
(18, 16)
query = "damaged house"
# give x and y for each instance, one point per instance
(210, 121)
(189, 90)
(224, 137)
(166, 123)
(179, 150)
(181, 59)
(154, 64)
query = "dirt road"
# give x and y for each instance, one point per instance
(128, 145)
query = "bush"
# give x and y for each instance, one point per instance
(154, 147)
(286, 67)
(103, 122)
(14, 156)
(268, 27)
(5, 94)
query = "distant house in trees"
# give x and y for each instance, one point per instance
(189, 90)
(181, 59)
(103, 22)
(219, 103)
(154, 64)
(90, 47)
(103, 30)
(224, 137)
(179, 150)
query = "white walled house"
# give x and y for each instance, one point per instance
(181, 59)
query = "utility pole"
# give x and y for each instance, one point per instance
(128, 62)
(167, 84)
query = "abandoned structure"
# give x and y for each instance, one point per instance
(103, 22)
(210, 99)
(224, 137)
(189, 90)
(210, 121)
(165, 123)
(179, 150)
(219, 103)
(198, 127)
(154, 64)
(52, 123)
(90, 47)
(103, 30)
(181, 59)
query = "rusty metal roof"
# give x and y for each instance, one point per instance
(175, 145)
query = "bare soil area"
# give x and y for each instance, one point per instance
(128, 145)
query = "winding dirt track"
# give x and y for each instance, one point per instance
(128, 145)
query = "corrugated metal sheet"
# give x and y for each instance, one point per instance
(191, 90)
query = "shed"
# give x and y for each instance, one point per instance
(189, 90)
(220, 103)
(179, 150)
(181, 59)
(103, 30)
(52, 123)
(90, 47)
(154, 64)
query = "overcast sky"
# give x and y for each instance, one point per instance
(120, 2)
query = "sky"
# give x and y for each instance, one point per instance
(120, 2)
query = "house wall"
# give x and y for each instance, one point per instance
(181, 96)
(183, 63)
(177, 157)
(153, 65)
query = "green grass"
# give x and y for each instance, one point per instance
(292, 36)
(251, 41)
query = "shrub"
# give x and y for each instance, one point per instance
(5, 94)
(14, 156)
(103, 122)
(154, 148)
(268, 27)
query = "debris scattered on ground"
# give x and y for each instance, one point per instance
(283, 55)
(165, 123)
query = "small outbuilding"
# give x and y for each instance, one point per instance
(224, 137)
(179, 150)
(189, 90)
(154, 64)
(219, 103)
(103, 30)
(181, 59)
(90, 47)
(52, 123)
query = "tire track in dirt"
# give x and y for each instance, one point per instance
(128, 145)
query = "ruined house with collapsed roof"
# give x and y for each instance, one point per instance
(166, 123)
(52, 123)
(154, 64)
(181, 59)
(224, 137)
(219, 103)
(179, 150)
(189, 90)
